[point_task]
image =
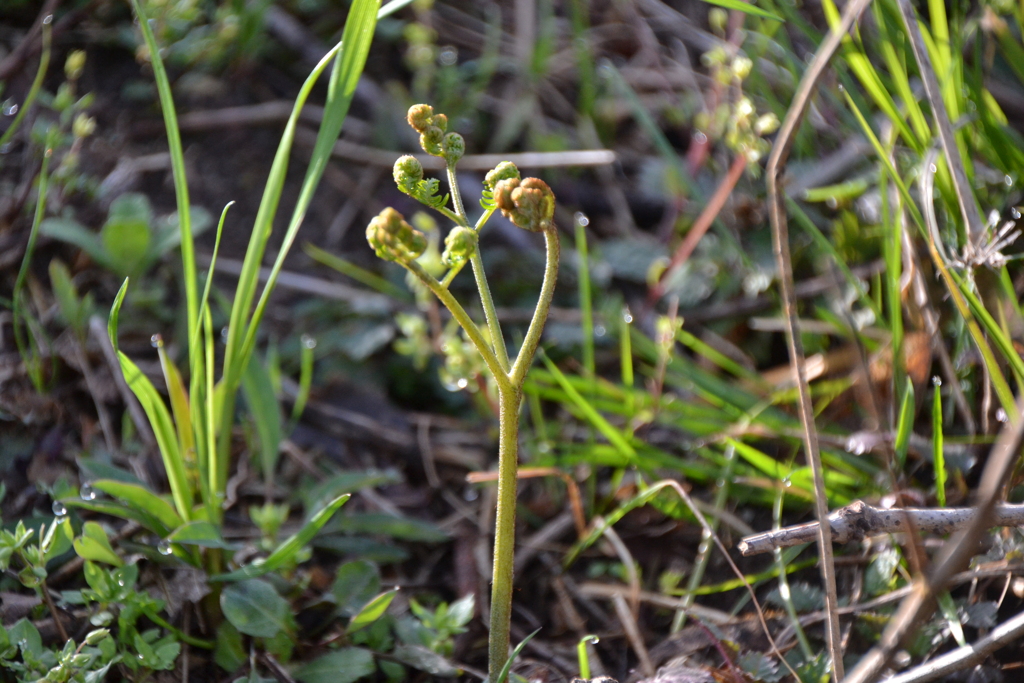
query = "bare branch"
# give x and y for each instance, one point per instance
(859, 519)
(966, 656)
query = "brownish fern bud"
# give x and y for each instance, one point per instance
(529, 203)
(393, 239)
(419, 116)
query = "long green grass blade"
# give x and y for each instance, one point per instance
(163, 86)
(348, 67)
(163, 430)
(141, 499)
(746, 8)
(286, 551)
(614, 436)
(904, 425)
(938, 454)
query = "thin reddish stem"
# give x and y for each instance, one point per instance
(700, 226)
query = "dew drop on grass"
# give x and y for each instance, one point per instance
(448, 56)
(308, 341)
(156, 341)
(936, 381)
(462, 383)
(10, 108)
(87, 492)
(164, 547)
(1014, 213)
(1008, 180)
(59, 510)
(581, 219)
(1001, 415)
(599, 331)
(627, 317)
(48, 19)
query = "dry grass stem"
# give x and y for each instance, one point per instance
(636, 640)
(780, 241)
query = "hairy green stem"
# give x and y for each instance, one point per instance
(508, 460)
(460, 315)
(504, 529)
(547, 292)
(490, 313)
(486, 300)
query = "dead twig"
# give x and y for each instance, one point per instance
(957, 552)
(780, 242)
(859, 519)
(629, 625)
(966, 656)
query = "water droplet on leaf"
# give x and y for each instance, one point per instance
(87, 492)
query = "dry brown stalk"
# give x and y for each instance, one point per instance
(859, 519)
(780, 243)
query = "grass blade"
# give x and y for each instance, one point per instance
(286, 551)
(938, 455)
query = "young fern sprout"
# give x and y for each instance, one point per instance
(529, 204)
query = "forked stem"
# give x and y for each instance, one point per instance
(504, 530)
(530, 204)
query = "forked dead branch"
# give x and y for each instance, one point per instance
(859, 520)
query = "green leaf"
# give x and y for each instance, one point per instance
(346, 482)
(342, 666)
(121, 511)
(94, 545)
(93, 469)
(881, 572)
(355, 584)
(199, 533)
(164, 431)
(74, 233)
(287, 550)
(372, 611)
(760, 667)
(255, 608)
(126, 234)
(142, 499)
(229, 654)
(381, 524)
(26, 635)
(265, 412)
(167, 234)
(359, 546)
(746, 8)
(419, 657)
